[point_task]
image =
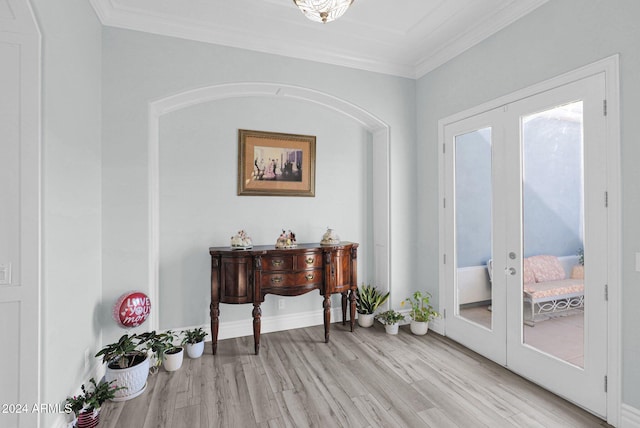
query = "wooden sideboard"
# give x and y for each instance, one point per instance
(246, 276)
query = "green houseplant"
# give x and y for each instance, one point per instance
(194, 341)
(421, 312)
(390, 319)
(127, 364)
(127, 352)
(368, 299)
(166, 352)
(86, 406)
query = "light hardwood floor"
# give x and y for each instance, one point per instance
(361, 379)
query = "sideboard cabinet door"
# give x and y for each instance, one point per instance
(236, 279)
(340, 270)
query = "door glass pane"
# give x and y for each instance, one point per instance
(553, 217)
(473, 196)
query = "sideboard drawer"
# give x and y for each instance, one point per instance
(274, 263)
(293, 279)
(308, 261)
(309, 277)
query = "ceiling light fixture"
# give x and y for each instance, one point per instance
(323, 10)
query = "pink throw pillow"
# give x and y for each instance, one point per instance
(546, 268)
(527, 274)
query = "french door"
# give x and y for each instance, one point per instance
(526, 238)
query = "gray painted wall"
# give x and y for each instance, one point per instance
(558, 37)
(199, 206)
(139, 68)
(71, 199)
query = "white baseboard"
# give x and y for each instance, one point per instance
(269, 324)
(232, 329)
(629, 416)
(437, 325)
(61, 422)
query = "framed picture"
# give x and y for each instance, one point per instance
(276, 164)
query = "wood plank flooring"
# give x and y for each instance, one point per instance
(361, 379)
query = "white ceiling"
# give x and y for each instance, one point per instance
(400, 37)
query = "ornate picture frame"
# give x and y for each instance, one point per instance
(276, 164)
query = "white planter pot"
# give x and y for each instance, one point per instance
(419, 328)
(391, 328)
(365, 320)
(134, 379)
(195, 350)
(173, 362)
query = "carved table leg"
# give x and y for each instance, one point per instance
(352, 300)
(327, 316)
(257, 314)
(215, 315)
(344, 307)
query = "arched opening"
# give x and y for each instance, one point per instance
(380, 160)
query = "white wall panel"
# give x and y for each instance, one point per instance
(19, 212)
(10, 162)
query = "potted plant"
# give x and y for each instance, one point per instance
(577, 272)
(421, 312)
(368, 299)
(166, 352)
(194, 341)
(86, 406)
(390, 319)
(127, 364)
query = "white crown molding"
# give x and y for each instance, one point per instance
(191, 30)
(114, 15)
(475, 35)
(16, 16)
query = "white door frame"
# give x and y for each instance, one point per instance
(610, 67)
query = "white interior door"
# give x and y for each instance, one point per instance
(529, 179)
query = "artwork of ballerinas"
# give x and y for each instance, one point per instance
(276, 163)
